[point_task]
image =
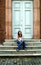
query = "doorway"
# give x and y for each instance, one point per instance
(22, 18)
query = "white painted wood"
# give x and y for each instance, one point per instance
(22, 18)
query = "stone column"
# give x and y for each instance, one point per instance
(8, 19)
(36, 19)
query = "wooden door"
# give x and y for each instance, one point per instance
(22, 18)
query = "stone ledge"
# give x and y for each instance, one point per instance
(20, 55)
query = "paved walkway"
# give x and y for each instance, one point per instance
(20, 61)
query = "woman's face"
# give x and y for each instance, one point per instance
(20, 34)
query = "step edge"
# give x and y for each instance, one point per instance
(20, 50)
(17, 46)
(20, 54)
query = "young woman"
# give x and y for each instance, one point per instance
(20, 42)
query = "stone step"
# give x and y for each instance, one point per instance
(17, 46)
(35, 54)
(20, 55)
(27, 43)
(33, 48)
(31, 40)
(14, 47)
(20, 52)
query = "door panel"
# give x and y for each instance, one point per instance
(27, 17)
(16, 19)
(28, 32)
(22, 18)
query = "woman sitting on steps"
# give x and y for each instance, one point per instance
(20, 42)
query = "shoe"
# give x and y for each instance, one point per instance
(24, 49)
(17, 49)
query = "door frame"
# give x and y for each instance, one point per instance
(8, 19)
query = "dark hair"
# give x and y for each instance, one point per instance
(19, 35)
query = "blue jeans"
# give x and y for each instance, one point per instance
(21, 43)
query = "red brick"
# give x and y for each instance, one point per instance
(2, 21)
(2, 4)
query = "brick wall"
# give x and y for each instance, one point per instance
(40, 18)
(2, 20)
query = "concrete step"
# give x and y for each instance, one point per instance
(17, 46)
(14, 47)
(27, 43)
(20, 52)
(28, 40)
(33, 48)
(35, 54)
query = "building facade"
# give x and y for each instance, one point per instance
(6, 18)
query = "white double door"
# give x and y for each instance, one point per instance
(22, 18)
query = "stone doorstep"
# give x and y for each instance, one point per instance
(29, 40)
(30, 50)
(17, 46)
(14, 43)
(20, 54)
